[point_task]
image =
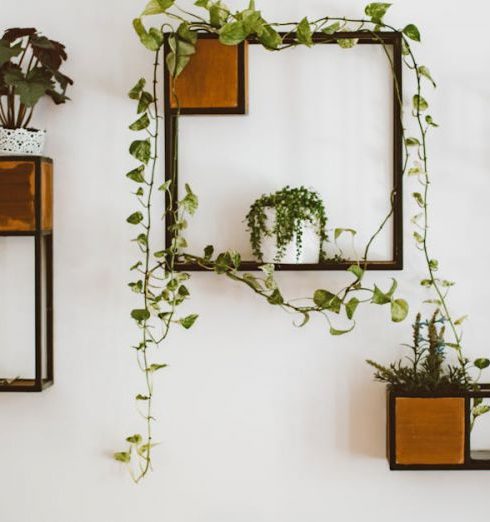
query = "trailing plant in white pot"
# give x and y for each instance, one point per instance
(29, 70)
(288, 226)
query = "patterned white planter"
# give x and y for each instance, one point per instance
(310, 253)
(22, 141)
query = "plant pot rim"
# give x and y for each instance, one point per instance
(28, 129)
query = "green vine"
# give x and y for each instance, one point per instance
(293, 207)
(160, 287)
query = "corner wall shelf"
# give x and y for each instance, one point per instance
(26, 210)
(433, 430)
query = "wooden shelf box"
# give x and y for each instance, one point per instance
(430, 431)
(214, 81)
(26, 209)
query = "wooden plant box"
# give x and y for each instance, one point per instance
(26, 194)
(432, 430)
(214, 81)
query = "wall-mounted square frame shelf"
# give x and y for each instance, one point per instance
(389, 39)
(26, 209)
(432, 431)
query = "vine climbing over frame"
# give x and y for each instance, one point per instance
(162, 288)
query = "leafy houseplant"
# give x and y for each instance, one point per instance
(429, 415)
(29, 70)
(293, 210)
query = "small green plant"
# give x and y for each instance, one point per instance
(293, 208)
(426, 369)
(29, 70)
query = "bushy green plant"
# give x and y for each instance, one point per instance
(427, 369)
(293, 208)
(29, 70)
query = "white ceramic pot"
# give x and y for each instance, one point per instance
(310, 252)
(22, 141)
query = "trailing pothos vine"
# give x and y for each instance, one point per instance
(162, 288)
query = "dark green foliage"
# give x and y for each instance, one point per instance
(293, 208)
(426, 368)
(29, 70)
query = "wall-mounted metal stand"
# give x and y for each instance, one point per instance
(26, 209)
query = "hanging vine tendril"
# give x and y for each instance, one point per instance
(160, 287)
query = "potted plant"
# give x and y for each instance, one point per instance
(288, 226)
(432, 403)
(29, 70)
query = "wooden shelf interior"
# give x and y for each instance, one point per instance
(18, 197)
(214, 80)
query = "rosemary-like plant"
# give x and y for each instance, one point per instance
(427, 369)
(292, 209)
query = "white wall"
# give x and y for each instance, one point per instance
(258, 420)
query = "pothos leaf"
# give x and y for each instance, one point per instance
(188, 321)
(140, 314)
(482, 363)
(351, 306)
(430, 121)
(479, 410)
(380, 297)
(122, 456)
(176, 65)
(306, 318)
(141, 123)
(190, 201)
(135, 92)
(145, 99)
(155, 367)
(276, 298)
(377, 10)
(141, 150)
(154, 7)
(186, 34)
(134, 439)
(334, 331)
(424, 71)
(356, 270)
(208, 251)
(269, 37)
(137, 174)
(339, 231)
(347, 43)
(218, 14)
(412, 142)
(152, 39)
(419, 103)
(327, 300)
(233, 33)
(332, 28)
(303, 33)
(399, 310)
(135, 218)
(412, 32)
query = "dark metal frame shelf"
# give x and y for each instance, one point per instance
(171, 132)
(42, 238)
